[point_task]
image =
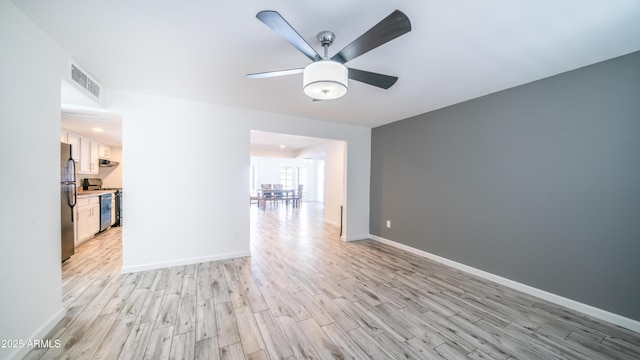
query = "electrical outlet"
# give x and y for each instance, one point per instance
(389, 224)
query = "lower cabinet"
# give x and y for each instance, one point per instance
(88, 218)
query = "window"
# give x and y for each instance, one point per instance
(286, 176)
(301, 175)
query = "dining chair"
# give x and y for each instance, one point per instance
(278, 195)
(297, 196)
(266, 194)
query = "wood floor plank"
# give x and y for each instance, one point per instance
(168, 310)
(227, 329)
(183, 346)
(423, 348)
(335, 312)
(189, 285)
(360, 316)
(397, 349)
(219, 289)
(162, 280)
(159, 346)
(151, 307)
(385, 321)
(325, 348)
(186, 317)
(275, 304)
(136, 343)
(174, 283)
(117, 301)
(147, 280)
(72, 334)
(248, 330)
(232, 352)
(134, 303)
(178, 346)
(317, 312)
(204, 288)
(94, 336)
(349, 347)
(294, 307)
(274, 340)
(114, 340)
(207, 349)
(299, 343)
(206, 319)
(236, 294)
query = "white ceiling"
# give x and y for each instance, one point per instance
(284, 145)
(103, 126)
(457, 50)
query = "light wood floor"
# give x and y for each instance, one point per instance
(304, 293)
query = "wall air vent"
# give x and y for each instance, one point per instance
(85, 81)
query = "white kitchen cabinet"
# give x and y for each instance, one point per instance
(88, 218)
(104, 151)
(95, 161)
(73, 140)
(89, 163)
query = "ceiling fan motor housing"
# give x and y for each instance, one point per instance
(325, 79)
(326, 38)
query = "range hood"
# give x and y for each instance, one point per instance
(108, 163)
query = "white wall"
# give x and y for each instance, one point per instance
(333, 171)
(30, 69)
(195, 209)
(334, 182)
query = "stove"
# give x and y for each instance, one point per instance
(96, 184)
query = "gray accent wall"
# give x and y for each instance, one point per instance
(539, 184)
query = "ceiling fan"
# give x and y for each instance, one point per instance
(326, 78)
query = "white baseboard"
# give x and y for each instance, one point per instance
(39, 334)
(357, 237)
(180, 262)
(557, 299)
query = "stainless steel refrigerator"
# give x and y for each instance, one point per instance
(68, 197)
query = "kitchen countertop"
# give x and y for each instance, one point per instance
(89, 193)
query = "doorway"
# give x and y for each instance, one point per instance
(318, 164)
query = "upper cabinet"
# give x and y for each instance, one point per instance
(89, 163)
(86, 152)
(104, 151)
(74, 140)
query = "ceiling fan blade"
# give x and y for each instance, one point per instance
(375, 79)
(275, 73)
(277, 23)
(394, 25)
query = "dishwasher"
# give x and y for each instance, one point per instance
(105, 212)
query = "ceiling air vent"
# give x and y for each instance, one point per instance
(85, 81)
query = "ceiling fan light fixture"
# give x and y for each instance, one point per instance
(325, 80)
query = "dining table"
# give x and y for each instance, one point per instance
(275, 195)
